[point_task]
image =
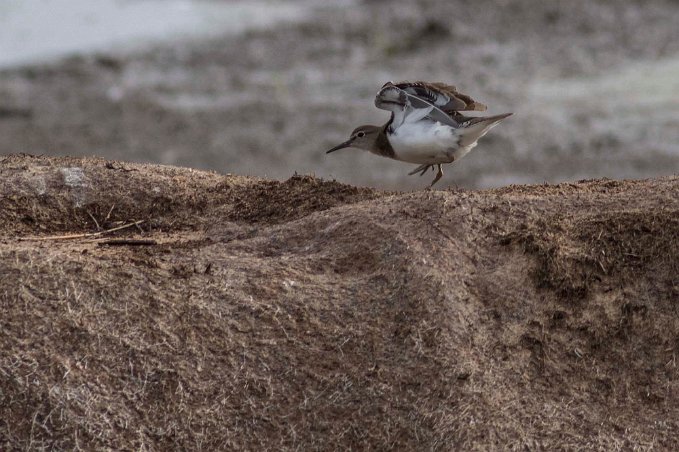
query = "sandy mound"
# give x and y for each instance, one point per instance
(308, 314)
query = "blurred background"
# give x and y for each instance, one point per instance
(265, 87)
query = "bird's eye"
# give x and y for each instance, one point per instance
(360, 134)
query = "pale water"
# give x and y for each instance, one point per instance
(637, 104)
(38, 30)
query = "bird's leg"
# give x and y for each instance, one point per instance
(439, 174)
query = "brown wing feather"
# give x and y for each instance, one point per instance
(452, 99)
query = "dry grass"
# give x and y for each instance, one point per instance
(309, 315)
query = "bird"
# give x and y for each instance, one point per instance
(425, 127)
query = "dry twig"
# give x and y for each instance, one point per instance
(126, 242)
(84, 235)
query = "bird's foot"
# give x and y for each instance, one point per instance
(421, 169)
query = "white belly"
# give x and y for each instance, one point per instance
(425, 143)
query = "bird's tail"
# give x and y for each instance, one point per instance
(478, 127)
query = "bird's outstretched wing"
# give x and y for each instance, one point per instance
(406, 107)
(411, 102)
(445, 97)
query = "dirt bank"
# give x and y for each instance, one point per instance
(314, 315)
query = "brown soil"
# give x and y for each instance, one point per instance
(308, 314)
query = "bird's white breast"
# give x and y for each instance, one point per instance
(425, 142)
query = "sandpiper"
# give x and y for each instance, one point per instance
(426, 126)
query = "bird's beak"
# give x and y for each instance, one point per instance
(346, 144)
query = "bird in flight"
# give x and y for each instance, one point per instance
(426, 126)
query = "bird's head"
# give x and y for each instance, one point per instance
(363, 137)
